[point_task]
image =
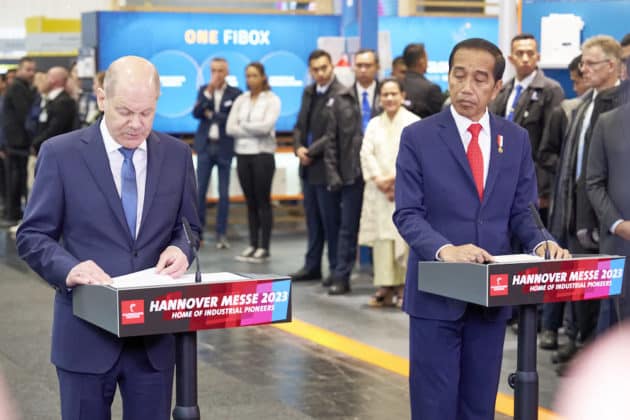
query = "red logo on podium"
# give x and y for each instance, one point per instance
(499, 285)
(132, 311)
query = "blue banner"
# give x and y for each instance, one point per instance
(181, 46)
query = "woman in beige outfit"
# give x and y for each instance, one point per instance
(378, 163)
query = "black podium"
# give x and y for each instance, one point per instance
(137, 306)
(525, 281)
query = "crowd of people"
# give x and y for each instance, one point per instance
(382, 165)
(34, 107)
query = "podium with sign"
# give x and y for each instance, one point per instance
(525, 281)
(144, 303)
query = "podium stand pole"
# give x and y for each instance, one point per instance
(186, 407)
(525, 380)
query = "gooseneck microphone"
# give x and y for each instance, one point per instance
(539, 224)
(189, 238)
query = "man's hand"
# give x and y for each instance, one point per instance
(464, 253)
(623, 230)
(555, 251)
(87, 272)
(302, 154)
(173, 262)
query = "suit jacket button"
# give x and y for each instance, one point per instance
(135, 254)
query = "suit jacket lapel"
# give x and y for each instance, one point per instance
(155, 157)
(449, 135)
(496, 129)
(95, 156)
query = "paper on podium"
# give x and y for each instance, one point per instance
(515, 258)
(149, 277)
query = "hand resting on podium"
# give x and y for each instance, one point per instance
(555, 251)
(172, 262)
(474, 254)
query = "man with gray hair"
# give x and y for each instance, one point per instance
(572, 219)
(116, 193)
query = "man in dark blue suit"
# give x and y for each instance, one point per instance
(464, 181)
(213, 145)
(108, 200)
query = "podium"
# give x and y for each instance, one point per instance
(525, 281)
(221, 300)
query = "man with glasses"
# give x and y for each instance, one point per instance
(572, 219)
(528, 99)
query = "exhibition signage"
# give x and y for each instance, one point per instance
(526, 281)
(221, 300)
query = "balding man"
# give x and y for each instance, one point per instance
(59, 112)
(116, 193)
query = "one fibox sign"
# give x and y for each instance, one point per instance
(204, 306)
(555, 281)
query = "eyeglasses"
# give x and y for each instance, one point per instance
(591, 64)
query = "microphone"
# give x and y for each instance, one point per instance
(189, 238)
(539, 224)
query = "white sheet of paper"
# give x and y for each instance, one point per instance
(514, 258)
(148, 277)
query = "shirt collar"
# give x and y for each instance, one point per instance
(54, 93)
(324, 89)
(370, 89)
(526, 81)
(112, 145)
(463, 123)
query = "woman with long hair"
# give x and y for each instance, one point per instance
(252, 122)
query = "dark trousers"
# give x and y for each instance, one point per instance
(255, 173)
(586, 311)
(351, 197)
(321, 208)
(146, 393)
(16, 184)
(455, 366)
(206, 160)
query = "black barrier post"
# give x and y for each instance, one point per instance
(525, 380)
(186, 407)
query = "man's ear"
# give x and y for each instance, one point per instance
(100, 99)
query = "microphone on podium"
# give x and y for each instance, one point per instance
(539, 224)
(190, 238)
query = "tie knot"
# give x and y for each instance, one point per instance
(518, 89)
(126, 152)
(474, 129)
(364, 95)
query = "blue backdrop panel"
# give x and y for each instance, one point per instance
(439, 35)
(181, 46)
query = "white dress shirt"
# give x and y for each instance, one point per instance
(525, 83)
(462, 124)
(371, 91)
(213, 132)
(115, 163)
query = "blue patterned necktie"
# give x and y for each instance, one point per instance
(517, 95)
(128, 189)
(365, 110)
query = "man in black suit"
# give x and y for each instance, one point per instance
(425, 98)
(59, 113)
(17, 103)
(212, 144)
(528, 100)
(321, 206)
(351, 111)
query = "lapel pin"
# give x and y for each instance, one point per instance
(500, 143)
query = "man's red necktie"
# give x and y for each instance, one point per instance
(475, 159)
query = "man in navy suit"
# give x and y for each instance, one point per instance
(213, 145)
(464, 181)
(108, 200)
